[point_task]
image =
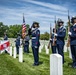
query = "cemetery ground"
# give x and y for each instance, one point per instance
(11, 66)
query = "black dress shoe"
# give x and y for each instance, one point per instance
(35, 64)
(74, 67)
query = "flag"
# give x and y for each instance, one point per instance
(23, 27)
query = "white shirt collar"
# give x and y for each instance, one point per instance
(74, 24)
(61, 26)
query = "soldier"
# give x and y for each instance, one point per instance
(17, 43)
(5, 36)
(51, 40)
(72, 35)
(35, 42)
(61, 33)
(26, 43)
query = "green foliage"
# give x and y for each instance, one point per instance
(44, 36)
(3, 28)
(11, 30)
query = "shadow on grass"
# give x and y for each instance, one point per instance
(23, 60)
(40, 62)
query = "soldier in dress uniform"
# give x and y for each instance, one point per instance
(26, 44)
(35, 42)
(61, 33)
(51, 40)
(5, 36)
(72, 35)
(17, 43)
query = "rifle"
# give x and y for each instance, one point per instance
(68, 42)
(50, 36)
(54, 35)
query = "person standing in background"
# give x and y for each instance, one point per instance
(5, 36)
(26, 44)
(51, 41)
(17, 43)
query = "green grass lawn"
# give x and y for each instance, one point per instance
(11, 66)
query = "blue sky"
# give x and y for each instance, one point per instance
(42, 11)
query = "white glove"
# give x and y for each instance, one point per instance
(35, 46)
(69, 33)
(55, 34)
(50, 39)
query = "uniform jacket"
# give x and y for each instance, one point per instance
(73, 35)
(5, 37)
(26, 40)
(61, 33)
(52, 37)
(35, 37)
(17, 41)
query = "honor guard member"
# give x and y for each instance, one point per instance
(17, 43)
(5, 36)
(72, 35)
(26, 44)
(51, 40)
(61, 33)
(35, 42)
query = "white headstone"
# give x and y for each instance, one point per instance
(70, 55)
(14, 55)
(40, 48)
(20, 54)
(56, 67)
(2, 51)
(11, 51)
(47, 50)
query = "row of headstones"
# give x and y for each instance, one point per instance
(45, 43)
(56, 67)
(47, 50)
(14, 53)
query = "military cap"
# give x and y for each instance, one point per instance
(72, 19)
(34, 24)
(60, 21)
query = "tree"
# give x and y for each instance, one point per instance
(44, 36)
(3, 28)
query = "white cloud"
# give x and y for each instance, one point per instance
(49, 5)
(43, 15)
